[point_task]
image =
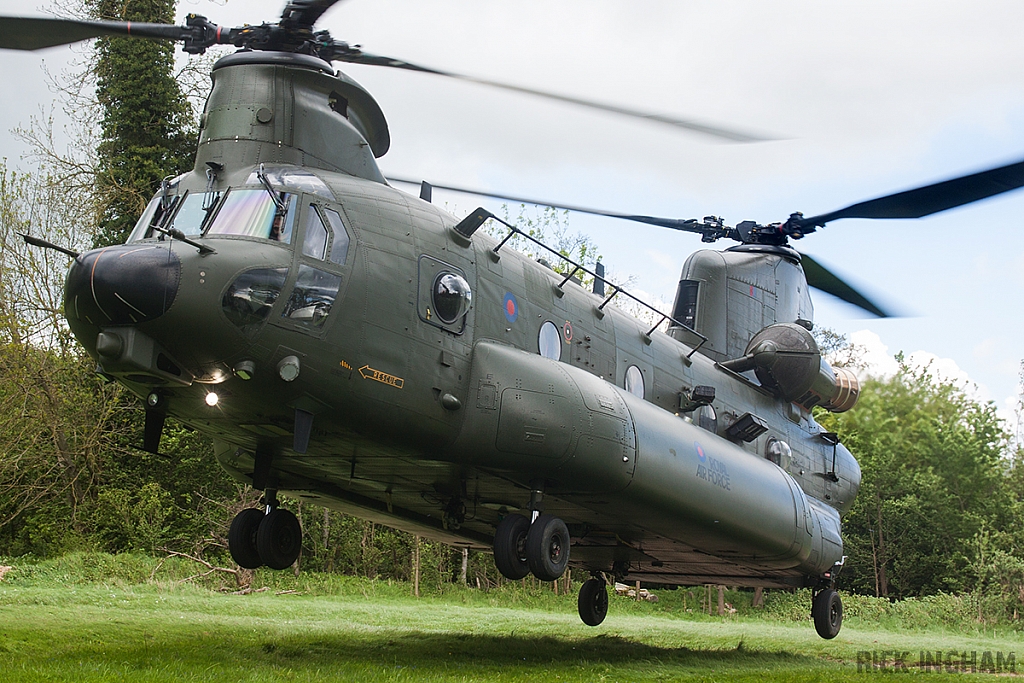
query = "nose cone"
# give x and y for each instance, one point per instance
(122, 285)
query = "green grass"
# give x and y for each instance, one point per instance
(102, 618)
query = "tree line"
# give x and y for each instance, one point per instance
(941, 506)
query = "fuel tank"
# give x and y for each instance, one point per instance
(530, 417)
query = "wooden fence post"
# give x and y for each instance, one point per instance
(416, 568)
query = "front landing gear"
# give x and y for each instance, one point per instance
(242, 538)
(593, 601)
(272, 538)
(827, 610)
(279, 539)
(510, 547)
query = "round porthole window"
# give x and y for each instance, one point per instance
(549, 341)
(634, 381)
(779, 453)
(451, 297)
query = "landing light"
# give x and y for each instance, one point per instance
(211, 399)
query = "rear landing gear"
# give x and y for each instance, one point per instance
(258, 538)
(547, 548)
(826, 605)
(593, 601)
(827, 610)
(541, 548)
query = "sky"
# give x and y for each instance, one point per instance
(864, 99)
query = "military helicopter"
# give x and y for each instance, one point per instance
(349, 344)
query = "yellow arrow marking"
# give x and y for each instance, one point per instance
(384, 378)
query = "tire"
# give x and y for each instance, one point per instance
(242, 538)
(510, 547)
(279, 539)
(547, 548)
(593, 602)
(827, 610)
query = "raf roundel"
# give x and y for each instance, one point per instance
(511, 307)
(700, 452)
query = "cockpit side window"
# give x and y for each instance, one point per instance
(323, 247)
(252, 213)
(339, 243)
(313, 296)
(148, 217)
(314, 240)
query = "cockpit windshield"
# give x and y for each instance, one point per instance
(192, 213)
(252, 213)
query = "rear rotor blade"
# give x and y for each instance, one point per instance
(924, 201)
(687, 224)
(344, 53)
(34, 33)
(821, 278)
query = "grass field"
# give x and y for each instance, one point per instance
(99, 618)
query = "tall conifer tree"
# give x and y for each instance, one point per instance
(148, 131)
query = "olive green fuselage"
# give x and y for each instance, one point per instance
(443, 427)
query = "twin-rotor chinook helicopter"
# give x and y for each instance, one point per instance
(346, 343)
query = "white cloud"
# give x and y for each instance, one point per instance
(878, 362)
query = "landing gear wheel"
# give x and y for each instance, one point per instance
(279, 539)
(593, 602)
(242, 538)
(510, 547)
(827, 610)
(547, 547)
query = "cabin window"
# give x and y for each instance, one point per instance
(253, 213)
(634, 381)
(247, 302)
(549, 341)
(314, 240)
(779, 453)
(443, 295)
(451, 297)
(192, 213)
(313, 296)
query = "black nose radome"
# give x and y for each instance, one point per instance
(122, 285)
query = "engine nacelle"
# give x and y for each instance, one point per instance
(786, 360)
(835, 389)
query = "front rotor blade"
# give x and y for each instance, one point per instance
(930, 199)
(305, 13)
(35, 33)
(345, 53)
(821, 278)
(687, 224)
